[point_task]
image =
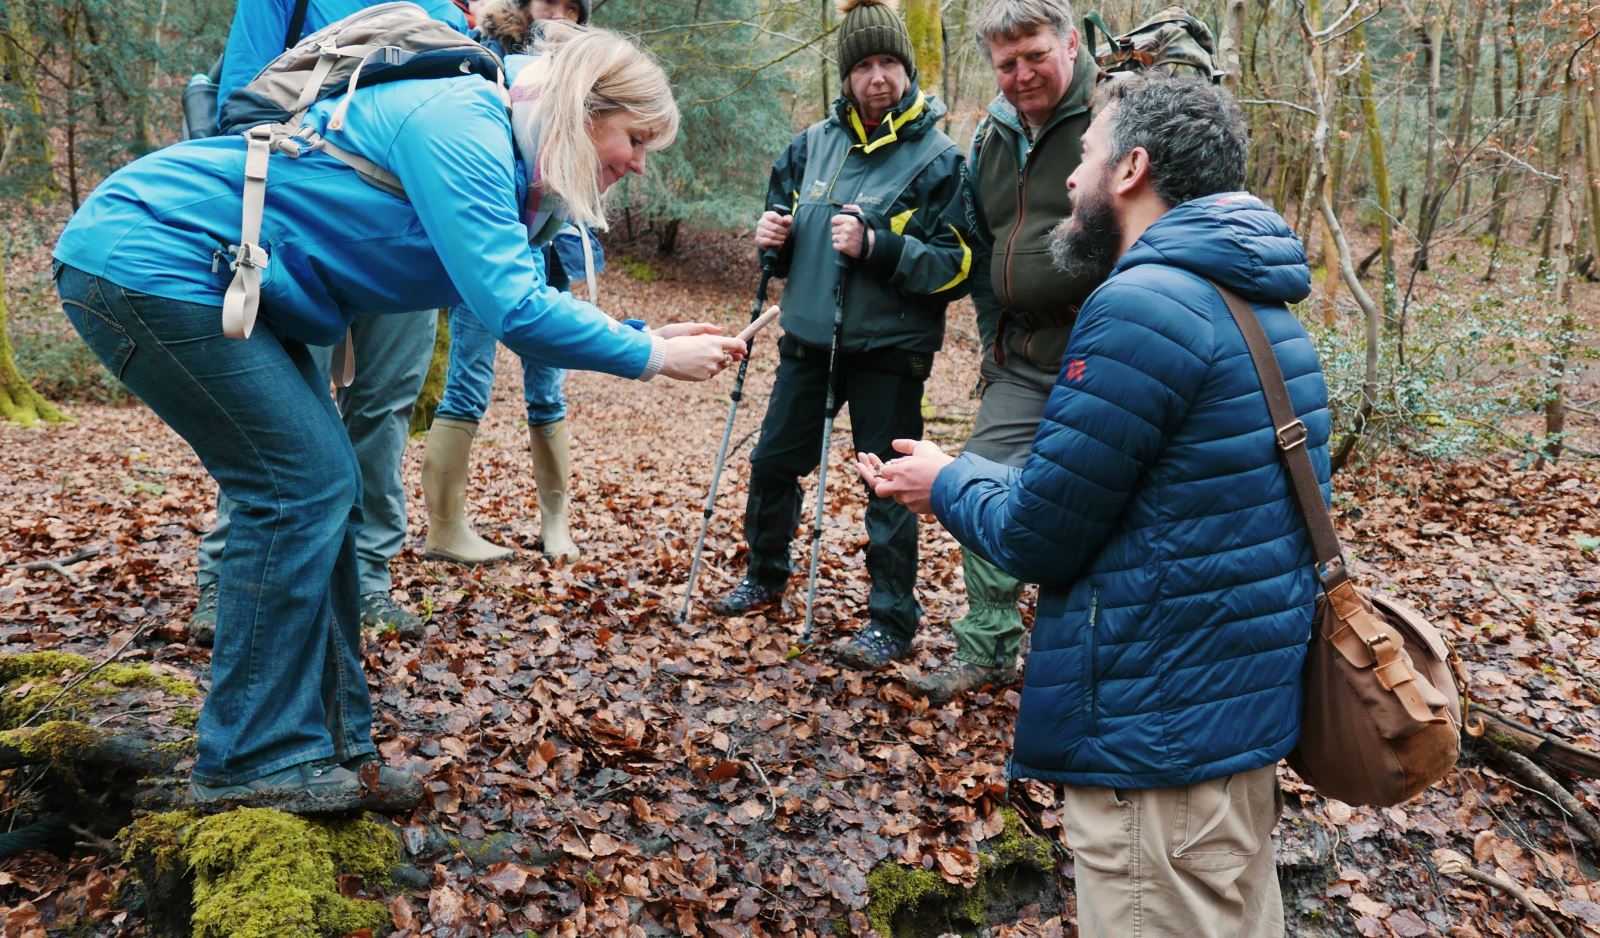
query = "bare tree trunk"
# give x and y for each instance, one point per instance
(1502, 177)
(927, 40)
(1380, 168)
(19, 402)
(1468, 87)
(1319, 149)
(1232, 37)
(1430, 34)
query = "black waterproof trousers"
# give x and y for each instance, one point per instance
(884, 391)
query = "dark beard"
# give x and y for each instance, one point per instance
(1086, 245)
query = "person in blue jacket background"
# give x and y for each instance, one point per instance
(394, 351)
(506, 27)
(288, 720)
(1177, 582)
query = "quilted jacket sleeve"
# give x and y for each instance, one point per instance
(1136, 360)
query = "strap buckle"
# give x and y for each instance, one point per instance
(1292, 435)
(248, 255)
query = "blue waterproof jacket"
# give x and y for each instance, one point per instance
(162, 224)
(1177, 580)
(258, 30)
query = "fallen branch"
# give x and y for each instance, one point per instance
(1457, 868)
(135, 754)
(1543, 748)
(60, 564)
(1524, 770)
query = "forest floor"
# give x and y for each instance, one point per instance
(658, 778)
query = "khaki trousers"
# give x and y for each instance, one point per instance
(1191, 862)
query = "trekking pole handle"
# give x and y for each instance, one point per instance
(841, 258)
(769, 256)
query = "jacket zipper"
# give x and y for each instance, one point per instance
(1088, 668)
(1022, 214)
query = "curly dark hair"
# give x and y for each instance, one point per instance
(1193, 130)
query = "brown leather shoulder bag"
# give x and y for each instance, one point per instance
(1382, 716)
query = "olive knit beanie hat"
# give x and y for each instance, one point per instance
(872, 27)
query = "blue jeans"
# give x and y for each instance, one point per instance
(392, 352)
(470, 376)
(286, 679)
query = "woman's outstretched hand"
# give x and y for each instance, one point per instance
(697, 355)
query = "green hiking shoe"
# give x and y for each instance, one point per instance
(203, 623)
(379, 611)
(956, 677)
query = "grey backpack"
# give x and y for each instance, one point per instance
(387, 42)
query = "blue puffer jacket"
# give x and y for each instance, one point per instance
(1176, 575)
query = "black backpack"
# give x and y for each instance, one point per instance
(200, 95)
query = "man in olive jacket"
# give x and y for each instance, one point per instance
(1024, 149)
(880, 153)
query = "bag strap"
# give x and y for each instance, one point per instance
(1291, 436)
(297, 23)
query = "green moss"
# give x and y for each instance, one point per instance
(894, 887)
(260, 873)
(158, 838)
(38, 668)
(56, 741)
(841, 928)
(1015, 845)
(186, 717)
(640, 270)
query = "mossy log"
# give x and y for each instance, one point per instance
(1539, 746)
(259, 873)
(78, 745)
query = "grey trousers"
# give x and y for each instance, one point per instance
(392, 351)
(1013, 397)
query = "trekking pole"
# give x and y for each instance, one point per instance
(843, 260)
(769, 257)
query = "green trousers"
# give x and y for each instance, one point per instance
(1013, 397)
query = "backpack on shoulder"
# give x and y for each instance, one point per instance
(383, 43)
(200, 94)
(1172, 40)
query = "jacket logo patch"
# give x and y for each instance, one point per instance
(1075, 370)
(817, 188)
(863, 199)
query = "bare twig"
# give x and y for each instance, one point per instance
(1457, 868)
(771, 797)
(1527, 771)
(87, 674)
(1278, 102)
(60, 564)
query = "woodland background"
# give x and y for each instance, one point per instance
(595, 767)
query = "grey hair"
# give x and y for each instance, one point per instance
(1194, 132)
(1013, 19)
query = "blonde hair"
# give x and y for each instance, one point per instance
(582, 74)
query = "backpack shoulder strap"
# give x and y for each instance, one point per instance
(297, 23)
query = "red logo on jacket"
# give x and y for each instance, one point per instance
(1075, 370)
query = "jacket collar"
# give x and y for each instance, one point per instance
(914, 112)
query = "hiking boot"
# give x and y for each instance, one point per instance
(307, 788)
(871, 648)
(203, 623)
(384, 789)
(957, 677)
(379, 611)
(749, 594)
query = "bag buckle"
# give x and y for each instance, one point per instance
(1292, 435)
(248, 255)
